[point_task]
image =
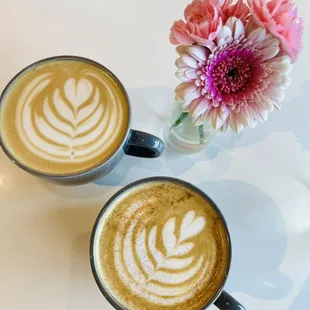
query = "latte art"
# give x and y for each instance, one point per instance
(161, 246)
(148, 271)
(66, 112)
(71, 123)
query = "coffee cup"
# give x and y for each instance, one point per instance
(161, 243)
(67, 119)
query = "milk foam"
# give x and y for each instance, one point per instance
(78, 118)
(161, 245)
(156, 274)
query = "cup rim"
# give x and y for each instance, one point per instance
(67, 176)
(106, 206)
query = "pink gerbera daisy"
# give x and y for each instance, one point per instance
(236, 83)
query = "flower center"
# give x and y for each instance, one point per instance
(232, 74)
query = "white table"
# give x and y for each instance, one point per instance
(260, 179)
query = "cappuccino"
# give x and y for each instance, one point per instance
(63, 116)
(161, 245)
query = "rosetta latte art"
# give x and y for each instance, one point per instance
(164, 277)
(68, 122)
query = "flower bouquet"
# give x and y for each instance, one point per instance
(234, 63)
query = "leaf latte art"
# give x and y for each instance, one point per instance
(163, 253)
(68, 112)
(155, 274)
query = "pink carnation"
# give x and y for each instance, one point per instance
(239, 10)
(204, 20)
(281, 19)
(203, 23)
(180, 34)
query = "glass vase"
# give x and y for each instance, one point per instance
(182, 135)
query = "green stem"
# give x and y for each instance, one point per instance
(179, 120)
(201, 134)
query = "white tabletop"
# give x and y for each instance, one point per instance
(260, 179)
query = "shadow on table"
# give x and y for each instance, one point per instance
(130, 169)
(259, 239)
(171, 163)
(154, 104)
(151, 112)
(86, 191)
(72, 226)
(82, 288)
(156, 101)
(151, 108)
(293, 117)
(65, 222)
(289, 119)
(301, 302)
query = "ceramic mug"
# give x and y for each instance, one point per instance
(135, 143)
(221, 298)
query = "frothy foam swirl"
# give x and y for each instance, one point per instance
(163, 277)
(161, 246)
(68, 118)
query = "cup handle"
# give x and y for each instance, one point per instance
(227, 302)
(142, 144)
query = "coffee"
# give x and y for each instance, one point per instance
(161, 245)
(63, 116)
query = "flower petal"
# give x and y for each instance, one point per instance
(262, 115)
(200, 53)
(180, 64)
(266, 103)
(236, 27)
(212, 117)
(286, 81)
(270, 51)
(203, 42)
(181, 75)
(235, 123)
(257, 36)
(190, 61)
(225, 36)
(187, 91)
(274, 93)
(230, 23)
(270, 41)
(200, 106)
(239, 29)
(181, 89)
(185, 106)
(181, 50)
(218, 116)
(282, 64)
(225, 125)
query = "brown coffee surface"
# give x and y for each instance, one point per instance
(63, 116)
(162, 246)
